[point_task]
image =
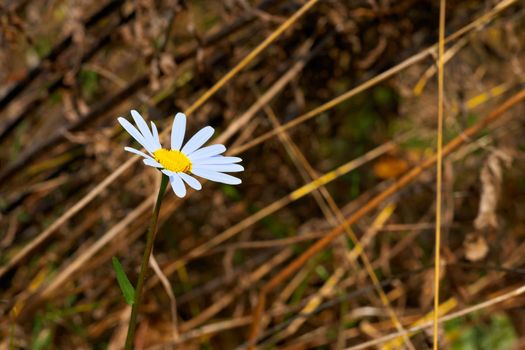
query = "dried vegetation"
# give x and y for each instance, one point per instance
(346, 94)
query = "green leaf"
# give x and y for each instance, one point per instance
(125, 285)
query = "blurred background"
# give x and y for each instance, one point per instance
(355, 84)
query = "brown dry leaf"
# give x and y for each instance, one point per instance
(389, 166)
(476, 247)
(491, 177)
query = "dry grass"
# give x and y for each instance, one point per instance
(328, 242)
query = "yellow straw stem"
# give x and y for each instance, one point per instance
(246, 60)
(439, 168)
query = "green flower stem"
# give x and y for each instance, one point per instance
(144, 265)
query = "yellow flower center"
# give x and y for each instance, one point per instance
(175, 161)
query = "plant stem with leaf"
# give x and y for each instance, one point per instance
(144, 265)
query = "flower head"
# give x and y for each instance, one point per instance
(178, 163)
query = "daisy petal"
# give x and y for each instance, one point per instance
(199, 139)
(142, 125)
(153, 163)
(206, 152)
(218, 160)
(168, 172)
(229, 168)
(155, 135)
(191, 181)
(177, 131)
(135, 133)
(132, 150)
(178, 186)
(217, 177)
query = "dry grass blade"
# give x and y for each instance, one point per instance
(445, 307)
(329, 239)
(379, 78)
(117, 172)
(85, 256)
(278, 204)
(244, 284)
(121, 169)
(499, 299)
(333, 215)
(439, 168)
(47, 233)
(372, 204)
(74, 267)
(167, 287)
(252, 55)
(329, 286)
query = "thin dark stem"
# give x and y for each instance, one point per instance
(144, 265)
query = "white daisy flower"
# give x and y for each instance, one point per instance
(178, 163)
